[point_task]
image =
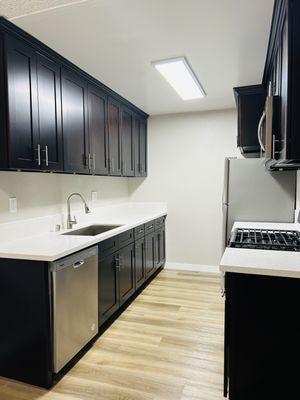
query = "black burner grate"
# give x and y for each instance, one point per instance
(265, 239)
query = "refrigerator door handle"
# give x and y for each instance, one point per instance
(225, 184)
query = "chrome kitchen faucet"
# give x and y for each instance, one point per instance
(70, 221)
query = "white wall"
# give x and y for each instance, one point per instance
(41, 194)
(186, 163)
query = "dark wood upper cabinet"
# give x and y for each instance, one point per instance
(49, 113)
(23, 135)
(127, 142)
(98, 138)
(114, 137)
(56, 117)
(282, 71)
(140, 146)
(143, 147)
(250, 102)
(74, 122)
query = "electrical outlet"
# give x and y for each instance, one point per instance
(12, 204)
(94, 195)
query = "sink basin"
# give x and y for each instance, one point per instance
(92, 230)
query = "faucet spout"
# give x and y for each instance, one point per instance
(70, 221)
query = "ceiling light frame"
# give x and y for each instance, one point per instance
(191, 74)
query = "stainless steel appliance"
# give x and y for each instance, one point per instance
(251, 193)
(265, 135)
(75, 304)
(265, 239)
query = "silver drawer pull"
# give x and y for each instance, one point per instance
(39, 154)
(78, 264)
(47, 156)
(151, 226)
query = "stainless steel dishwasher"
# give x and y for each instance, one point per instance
(75, 304)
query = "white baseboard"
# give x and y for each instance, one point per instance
(193, 267)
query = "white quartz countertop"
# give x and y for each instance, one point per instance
(262, 262)
(50, 246)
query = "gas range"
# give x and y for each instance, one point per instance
(265, 239)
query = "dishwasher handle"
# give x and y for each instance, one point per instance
(78, 264)
(73, 261)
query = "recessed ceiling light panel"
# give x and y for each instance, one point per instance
(181, 77)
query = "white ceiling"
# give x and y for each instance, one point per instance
(225, 41)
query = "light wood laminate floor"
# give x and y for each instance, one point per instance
(167, 345)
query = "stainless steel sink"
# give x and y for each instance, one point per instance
(92, 230)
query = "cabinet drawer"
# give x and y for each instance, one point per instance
(108, 246)
(149, 227)
(139, 232)
(126, 238)
(159, 222)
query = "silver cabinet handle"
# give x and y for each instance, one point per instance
(78, 264)
(94, 161)
(47, 157)
(117, 259)
(39, 154)
(89, 161)
(111, 164)
(263, 117)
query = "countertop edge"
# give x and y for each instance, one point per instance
(94, 240)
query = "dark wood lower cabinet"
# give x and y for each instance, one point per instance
(25, 334)
(262, 333)
(160, 247)
(108, 287)
(126, 273)
(140, 270)
(150, 254)
(26, 303)
(125, 264)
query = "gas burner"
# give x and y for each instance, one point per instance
(265, 239)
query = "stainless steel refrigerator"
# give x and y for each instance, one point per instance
(251, 193)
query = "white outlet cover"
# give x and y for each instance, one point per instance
(12, 204)
(94, 195)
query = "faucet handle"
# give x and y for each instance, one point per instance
(74, 220)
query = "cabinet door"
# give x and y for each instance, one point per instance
(108, 287)
(127, 143)
(97, 105)
(139, 259)
(143, 147)
(126, 272)
(114, 137)
(74, 93)
(23, 137)
(140, 146)
(136, 141)
(49, 113)
(150, 254)
(160, 247)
